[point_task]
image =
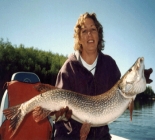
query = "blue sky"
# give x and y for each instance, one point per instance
(129, 26)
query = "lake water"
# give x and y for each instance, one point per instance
(142, 126)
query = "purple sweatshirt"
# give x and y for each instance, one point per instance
(74, 76)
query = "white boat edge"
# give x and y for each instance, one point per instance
(114, 137)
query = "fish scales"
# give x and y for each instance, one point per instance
(97, 110)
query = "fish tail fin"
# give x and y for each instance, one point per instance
(40, 113)
(15, 116)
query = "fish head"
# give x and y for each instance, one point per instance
(133, 82)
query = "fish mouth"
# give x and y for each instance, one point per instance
(134, 80)
(138, 71)
(140, 62)
(140, 67)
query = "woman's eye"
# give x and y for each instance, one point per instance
(94, 29)
(84, 31)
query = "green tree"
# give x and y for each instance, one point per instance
(148, 93)
(20, 58)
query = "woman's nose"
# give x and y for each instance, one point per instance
(89, 33)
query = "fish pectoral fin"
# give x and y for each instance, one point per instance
(40, 113)
(84, 131)
(15, 116)
(131, 107)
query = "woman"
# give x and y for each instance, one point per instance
(87, 71)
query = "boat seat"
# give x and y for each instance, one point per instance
(20, 89)
(27, 77)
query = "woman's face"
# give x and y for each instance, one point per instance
(89, 36)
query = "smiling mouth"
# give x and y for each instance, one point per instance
(90, 41)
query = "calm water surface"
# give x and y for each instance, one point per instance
(142, 126)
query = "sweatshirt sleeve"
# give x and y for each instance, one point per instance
(64, 77)
(62, 81)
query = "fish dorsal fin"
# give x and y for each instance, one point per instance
(44, 87)
(40, 113)
(131, 107)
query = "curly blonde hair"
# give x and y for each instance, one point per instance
(77, 30)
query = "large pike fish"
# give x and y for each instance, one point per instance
(97, 110)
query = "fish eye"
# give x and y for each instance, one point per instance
(141, 60)
(130, 70)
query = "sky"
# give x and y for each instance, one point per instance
(129, 27)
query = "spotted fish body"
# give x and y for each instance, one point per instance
(97, 110)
